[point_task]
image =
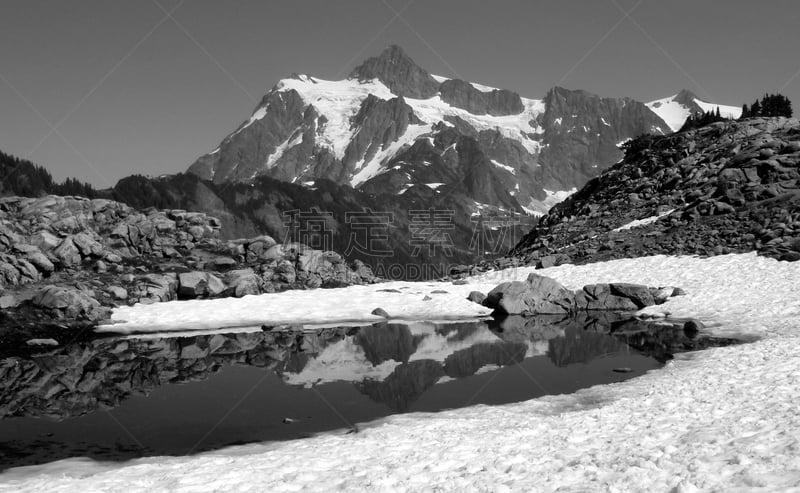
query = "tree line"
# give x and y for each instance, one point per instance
(22, 177)
(769, 105)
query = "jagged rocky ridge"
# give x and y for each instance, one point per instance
(68, 259)
(391, 126)
(728, 187)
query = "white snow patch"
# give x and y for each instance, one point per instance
(273, 158)
(723, 419)
(672, 112)
(483, 88)
(643, 222)
(505, 167)
(540, 207)
(338, 101)
(375, 166)
(724, 111)
(434, 185)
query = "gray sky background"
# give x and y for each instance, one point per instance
(131, 90)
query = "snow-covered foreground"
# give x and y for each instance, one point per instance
(724, 419)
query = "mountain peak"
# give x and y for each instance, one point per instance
(686, 98)
(399, 73)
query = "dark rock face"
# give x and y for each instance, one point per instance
(399, 73)
(243, 153)
(583, 131)
(461, 94)
(728, 187)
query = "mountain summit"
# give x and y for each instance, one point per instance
(397, 71)
(391, 127)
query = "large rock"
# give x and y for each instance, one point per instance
(68, 303)
(45, 240)
(35, 256)
(155, 287)
(87, 245)
(67, 253)
(600, 297)
(199, 284)
(620, 296)
(537, 295)
(243, 282)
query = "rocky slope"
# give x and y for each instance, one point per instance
(260, 207)
(391, 125)
(68, 259)
(727, 187)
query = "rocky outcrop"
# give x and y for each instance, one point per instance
(540, 295)
(67, 259)
(498, 102)
(537, 295)
(728, 187)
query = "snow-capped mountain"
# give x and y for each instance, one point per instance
(391, 126)
(677, 108)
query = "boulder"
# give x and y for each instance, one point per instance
(380, 312)
(476, 297)
(275, 252)
(45, 240)
(537, 295)
(156, 287)
(118, 292)
(68, 303)
(546, 261)
(199, 284)
(35, 256)
(87, 245)
(9, 275)
(243, 282)
(600, 297)
(637, 293)
(661, 295)
(67, 253)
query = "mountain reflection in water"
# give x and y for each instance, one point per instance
(116, 398)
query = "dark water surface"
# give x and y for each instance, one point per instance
(120, 398)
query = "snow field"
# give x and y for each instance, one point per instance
(723, 419)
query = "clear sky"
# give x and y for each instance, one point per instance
(99, 89)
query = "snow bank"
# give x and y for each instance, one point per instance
(721, 419)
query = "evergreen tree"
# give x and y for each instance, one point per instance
(755, 109)
(745, 111)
